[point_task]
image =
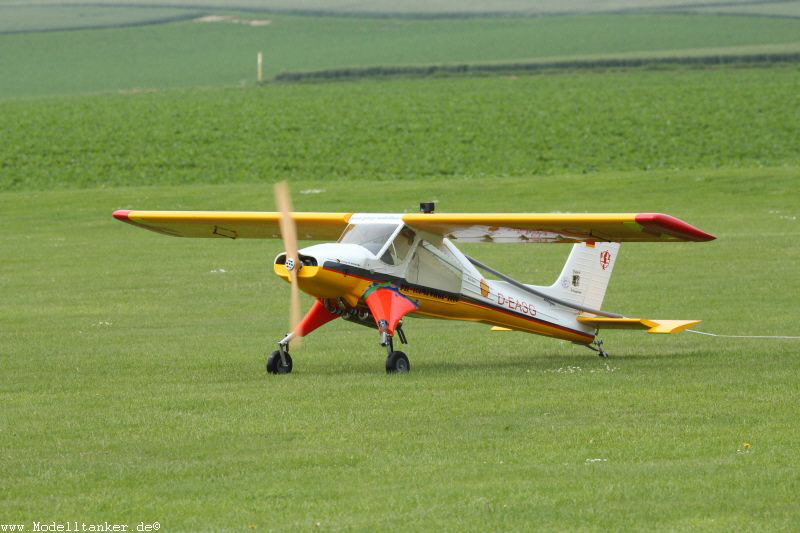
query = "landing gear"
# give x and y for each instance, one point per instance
(599, 349)
(325, 310)
(278, 363)
(397, 363)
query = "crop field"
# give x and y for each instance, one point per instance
(223, 53)
(133, 388)
(21, 18)
(429, 129)
(421, 8)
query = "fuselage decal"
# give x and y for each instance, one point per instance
(516, 314)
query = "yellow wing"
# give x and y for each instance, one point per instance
(461, 227)
(560, 227)
(236, 225)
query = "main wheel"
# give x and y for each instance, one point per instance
(397, 363)
(276, 366)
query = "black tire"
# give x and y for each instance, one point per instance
(397, 363)
(276, 366)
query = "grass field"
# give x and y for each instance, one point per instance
(19, 18)
(133, 387)
(422, 8)
(777, 9)
(189, 54)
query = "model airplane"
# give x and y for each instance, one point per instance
(384, 267)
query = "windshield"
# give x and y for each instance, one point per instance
(401, 245)
(370, 236)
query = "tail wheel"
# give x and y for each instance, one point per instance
(397, 363)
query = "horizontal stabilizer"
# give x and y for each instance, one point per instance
(652, 326)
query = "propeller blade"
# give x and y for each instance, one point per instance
(289, 235)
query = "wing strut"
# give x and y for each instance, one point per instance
(540, 294)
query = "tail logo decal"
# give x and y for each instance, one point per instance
(605, 259)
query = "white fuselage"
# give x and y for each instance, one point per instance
(433, 272)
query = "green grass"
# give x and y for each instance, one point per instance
(27, 18)
(189, 54)
(134, 388)
(407, 129)
(778, 9)
(422, 7)
(133, 385)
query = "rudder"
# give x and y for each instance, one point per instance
(585, 276)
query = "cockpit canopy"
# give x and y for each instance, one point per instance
(373, 237)
(388, 242)
(407, 254)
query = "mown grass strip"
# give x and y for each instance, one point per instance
(14, 28)
(134, 386)
(437, 9)
(224, 54)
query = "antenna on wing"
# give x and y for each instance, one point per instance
(293, 264)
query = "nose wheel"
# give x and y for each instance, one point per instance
(279, 362)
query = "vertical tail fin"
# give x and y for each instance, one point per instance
(586, 274)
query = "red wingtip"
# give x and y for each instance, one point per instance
(659, 223)
(122, 215)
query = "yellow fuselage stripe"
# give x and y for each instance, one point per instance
(320, 282)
